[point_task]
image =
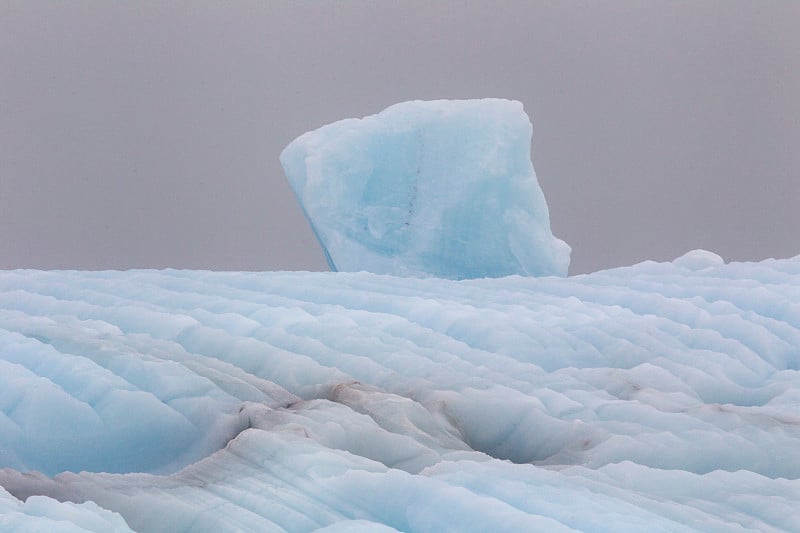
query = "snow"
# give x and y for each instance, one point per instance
(662, 396)
(441, 188)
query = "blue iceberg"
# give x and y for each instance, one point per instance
(443, 188)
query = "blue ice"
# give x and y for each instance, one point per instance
(662, 396)
(428, 188)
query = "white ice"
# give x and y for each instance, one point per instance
(443, 188)
(662, 396)
(40, 513)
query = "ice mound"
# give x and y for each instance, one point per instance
(443, 188)
(655, 397)
(698, 260)
(40, 513)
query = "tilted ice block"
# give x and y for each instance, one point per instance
(442, 188)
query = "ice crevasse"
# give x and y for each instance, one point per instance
(659, 396)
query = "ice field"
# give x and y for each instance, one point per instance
(653, 396)
(657, 397)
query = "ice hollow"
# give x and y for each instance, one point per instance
(441, 188)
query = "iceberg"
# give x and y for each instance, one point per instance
(427, 188)
(662, 396)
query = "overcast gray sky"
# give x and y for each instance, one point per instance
(147, 134)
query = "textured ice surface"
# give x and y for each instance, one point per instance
(659, 397)
(40, 513)
(443, 188)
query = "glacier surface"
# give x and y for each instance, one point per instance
(440, 188)
(661, 396)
